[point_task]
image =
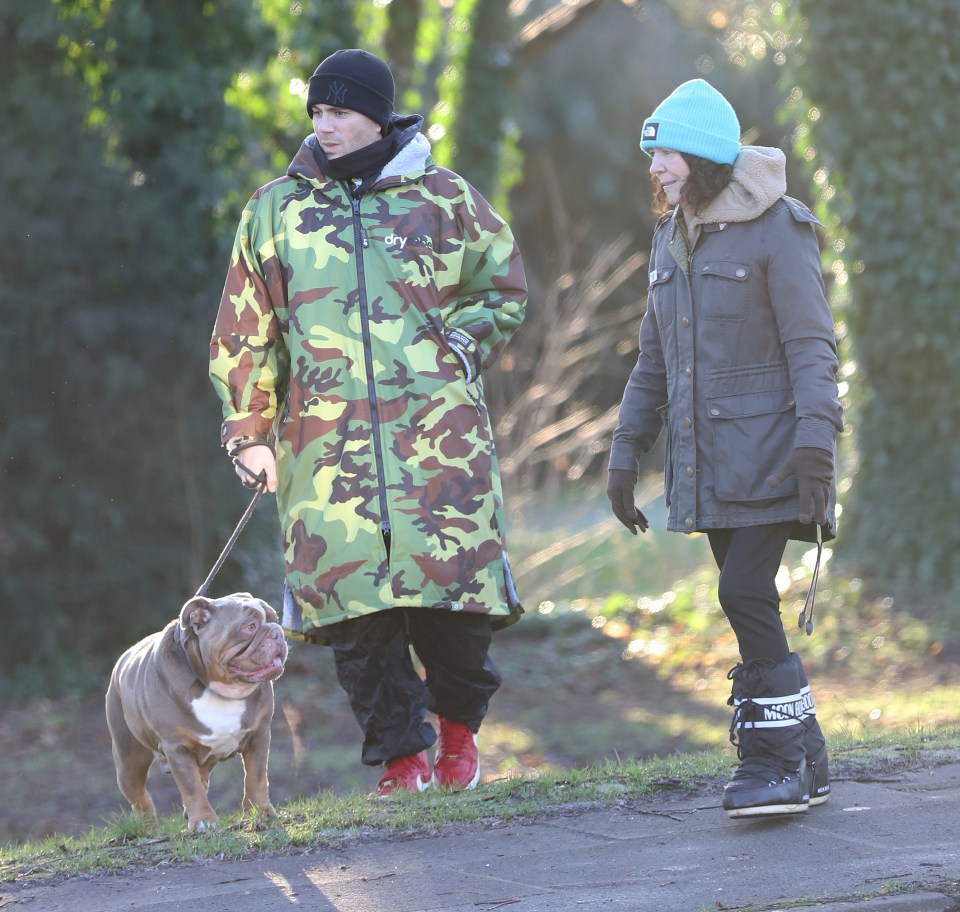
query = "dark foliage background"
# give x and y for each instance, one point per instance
(879, 110)
(134, 132)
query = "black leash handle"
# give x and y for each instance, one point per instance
(261, 485)
(805, 621)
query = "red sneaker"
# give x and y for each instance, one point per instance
(410, 773)
(457, 765)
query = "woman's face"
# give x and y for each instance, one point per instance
(669, 167)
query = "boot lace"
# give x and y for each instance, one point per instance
(748, 675)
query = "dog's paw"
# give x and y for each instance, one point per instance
(258, 809)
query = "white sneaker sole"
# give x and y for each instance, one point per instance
(422, 786)
(768, 810)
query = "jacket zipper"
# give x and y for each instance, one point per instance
(362, 242)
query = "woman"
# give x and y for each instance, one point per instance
(738, 362)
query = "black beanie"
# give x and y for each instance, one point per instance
(356, 80)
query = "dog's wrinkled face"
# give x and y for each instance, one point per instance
(239, 639)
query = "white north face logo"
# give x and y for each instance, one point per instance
(650, 130)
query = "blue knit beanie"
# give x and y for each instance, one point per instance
(694, 118)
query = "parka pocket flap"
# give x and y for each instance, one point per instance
(726, 269)
(661, 275)
(746, 405)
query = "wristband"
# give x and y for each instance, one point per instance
(236, 444)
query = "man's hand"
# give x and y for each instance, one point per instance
(620, 485)
(814, 470)
(257, 459)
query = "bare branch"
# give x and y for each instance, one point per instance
(552, 27)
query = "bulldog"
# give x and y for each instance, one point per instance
(195, 693)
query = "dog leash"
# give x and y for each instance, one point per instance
(805, 621)
(260, 481)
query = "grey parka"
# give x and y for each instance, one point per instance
(738, 356)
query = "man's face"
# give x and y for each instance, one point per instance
(343, 130)
(669, 167)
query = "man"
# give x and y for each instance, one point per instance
(367, 291)
(738, 362)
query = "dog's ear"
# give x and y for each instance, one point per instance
(196, 613)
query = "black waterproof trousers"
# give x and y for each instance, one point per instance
(388, 697)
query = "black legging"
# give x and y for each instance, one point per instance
(388, 698)
(749, 559)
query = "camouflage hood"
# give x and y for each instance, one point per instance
(352, 335)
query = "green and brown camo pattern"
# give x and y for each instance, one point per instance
(332, 342)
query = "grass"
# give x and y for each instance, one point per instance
(329, 820)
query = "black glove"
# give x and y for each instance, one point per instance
(620, 485)
(814, 470)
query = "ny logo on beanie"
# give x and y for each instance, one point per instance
(337, 94)
(356, 80)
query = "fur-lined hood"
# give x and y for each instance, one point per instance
(759, 180)
(413, 156)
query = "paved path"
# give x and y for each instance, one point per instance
(891, 845)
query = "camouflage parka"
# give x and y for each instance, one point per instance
(351, 335)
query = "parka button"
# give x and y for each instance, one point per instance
(688, 522)
(685, 322)
(690, 471)
(687, 423)
(741, 273)
(689, 372)
(714, 411)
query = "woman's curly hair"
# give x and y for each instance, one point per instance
(707, 179)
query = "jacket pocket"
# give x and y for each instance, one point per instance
(753, 433)
(725, 290)
(661, 297)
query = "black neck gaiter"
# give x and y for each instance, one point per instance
(365, 163)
